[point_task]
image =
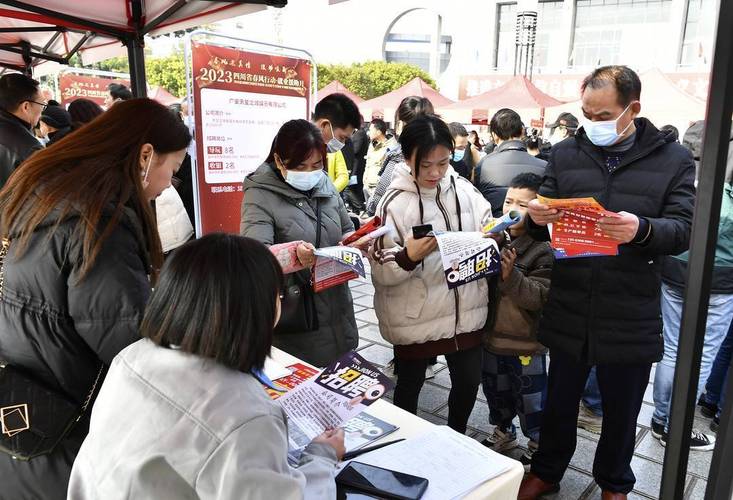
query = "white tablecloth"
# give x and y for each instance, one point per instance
(504, 487)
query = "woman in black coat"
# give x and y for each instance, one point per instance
(84, 252)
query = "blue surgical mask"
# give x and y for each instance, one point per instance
(304, 181)
(334, 144)
(604, 133)
(458, 154)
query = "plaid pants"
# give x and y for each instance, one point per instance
(515, 385)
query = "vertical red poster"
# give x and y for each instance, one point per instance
(241, 99)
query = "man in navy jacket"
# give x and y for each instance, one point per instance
(605, 311)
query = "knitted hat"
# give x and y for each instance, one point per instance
(56, 117)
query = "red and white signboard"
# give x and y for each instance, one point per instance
(93, 87)
(241, 99)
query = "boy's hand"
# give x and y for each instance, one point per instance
(508, 256)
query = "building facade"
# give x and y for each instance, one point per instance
(469, 46)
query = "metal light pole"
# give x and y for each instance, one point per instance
(525, 37)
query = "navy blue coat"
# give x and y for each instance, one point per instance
(607, 309)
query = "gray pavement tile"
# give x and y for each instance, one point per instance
(368, 315)
(650, 448)
(699, 462)
(645, 415)
(479, 419)
(649, 393)
(363, 343)
(442, 376)
(359, 324)
(573, 484)
(370, 332)
(377, 354)
(432, 397)
(358, 309)
(365, 301)
(585, 451)
(648, 476)
(697, 491)
(365, 288)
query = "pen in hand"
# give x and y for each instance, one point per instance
(353, 454)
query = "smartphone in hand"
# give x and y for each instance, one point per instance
(422, 231)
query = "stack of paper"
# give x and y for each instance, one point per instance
(453, 463)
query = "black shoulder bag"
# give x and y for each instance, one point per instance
(298, 312)
(33, 418)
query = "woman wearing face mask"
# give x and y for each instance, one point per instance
(83, 255)
(283, 200)
(417, 311)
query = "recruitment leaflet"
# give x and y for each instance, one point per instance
(341, 391)
(336, 265)
(577, 233)
(467, 256)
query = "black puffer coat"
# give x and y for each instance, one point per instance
(61, 330)
(16, 144)
(606, 309)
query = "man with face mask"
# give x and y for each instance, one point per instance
(565, 126)
(465, 157)
(337, 117)
(605, 311)
(21, 105)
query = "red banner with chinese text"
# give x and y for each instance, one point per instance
(94, 88)
(241, 99)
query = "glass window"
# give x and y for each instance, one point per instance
(410, 39)
(697, 45)
(549, 26)
(619, 32)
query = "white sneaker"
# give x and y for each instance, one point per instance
(501, 441)
(699, 442)
(429, 372)
(588, 420)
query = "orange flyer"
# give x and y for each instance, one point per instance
(577, 233)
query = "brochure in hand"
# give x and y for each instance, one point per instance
(577, 233)
(325, 401)
(467, 256)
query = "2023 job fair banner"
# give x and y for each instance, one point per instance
(73, 86)
(241, 98)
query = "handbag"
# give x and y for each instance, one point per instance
(34, 418)
(298, 312)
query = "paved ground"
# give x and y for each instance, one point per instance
(578, 481)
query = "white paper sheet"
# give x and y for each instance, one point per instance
(454, 464)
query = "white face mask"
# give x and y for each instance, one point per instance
(603, 133)
(147, 171)
(304, 181)
(334, 144)
(557, 136)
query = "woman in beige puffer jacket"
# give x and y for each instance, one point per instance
(417, 311)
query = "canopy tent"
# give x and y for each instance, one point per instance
(337, 87)
(33, 32)
(518, 94)
(163, 96)
(387, 104)
(662, 102)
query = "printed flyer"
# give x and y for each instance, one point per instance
(340, 392)
(467, 256)
(577, 233)
(336, 265)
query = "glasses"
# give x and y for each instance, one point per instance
(43, 105)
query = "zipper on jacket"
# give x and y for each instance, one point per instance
(456, 298)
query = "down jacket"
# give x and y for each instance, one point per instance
(606, 309)
(61, 330)
(273, 212)
(416, 306)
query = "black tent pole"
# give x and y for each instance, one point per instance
(700, 269)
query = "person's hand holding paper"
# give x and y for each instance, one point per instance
(542, 214)
(622, 227)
